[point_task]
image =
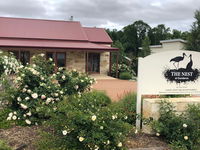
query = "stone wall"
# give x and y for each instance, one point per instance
(151, 107)
(104, 63)
(75, 60)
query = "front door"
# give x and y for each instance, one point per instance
(94, 63)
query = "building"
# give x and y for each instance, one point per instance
(168, 45)
(67, 42)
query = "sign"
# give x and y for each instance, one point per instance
(171, 72)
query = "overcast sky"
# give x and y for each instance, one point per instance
(176, 14)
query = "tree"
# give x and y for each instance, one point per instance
(145, 51)
(194, 36)
(160, 33)
(119, 45)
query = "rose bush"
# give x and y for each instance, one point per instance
(37, 93)
(88, 122)
(8, 63)
(182, 131)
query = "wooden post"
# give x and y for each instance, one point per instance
(110, 63)
(86, 64)
(117, 61)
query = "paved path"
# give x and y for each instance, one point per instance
(115, 88)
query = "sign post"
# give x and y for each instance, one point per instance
(171, 72)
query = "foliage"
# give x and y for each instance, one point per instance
(45, 66)
(8, 63)
(194, 37)
(4, 123)
(121, 68)
(87, 122)
(38, 93)
(145, 51)
(125, 75)
(127, 106)
(4, 146)
(181, 130)
(73, 82)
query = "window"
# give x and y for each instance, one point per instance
(58, 57)
(23, 56)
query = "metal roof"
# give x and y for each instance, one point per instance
(20, 32)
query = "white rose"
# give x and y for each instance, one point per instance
(61, 92)
(119, 144)
(81, 139)
(29, 113)
(9, 118)
(157, 134)
(28, 121)
(43, 97)
(34, 95)
(56, 94)
(42, 55)
(14, 117)
(64, 132)
(48, 100)
(29, 91)
(27, 98)
(15, 112)
(10, 114)
(63, 77)
(101, 127)
(19, 99)
(185, 137)
(76, 87)
(108, 142)
(94, 118)
(185, 125)
(23, 106)
(24, 90)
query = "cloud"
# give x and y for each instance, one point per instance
(106, 13)
(22, 8)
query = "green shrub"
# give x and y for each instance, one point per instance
(4, 123)
(183, 128)
(87, 122)
(126, 107)
(4, 146)
(45, 66)
(38, 93)
(73, 82)
(125, 75)
(121, 68)
(8, 63)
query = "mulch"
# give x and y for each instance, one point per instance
(24, 138)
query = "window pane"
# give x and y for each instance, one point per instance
(61, 57)
(15, 53)
(50, 55)
(24, 57)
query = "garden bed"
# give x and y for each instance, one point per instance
(24, 138)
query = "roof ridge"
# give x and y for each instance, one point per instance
(40, 19)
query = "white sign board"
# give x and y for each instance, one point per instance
(171, 72)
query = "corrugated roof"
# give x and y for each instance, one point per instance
(7, 42)
(41, 29)
(97, 35)
(20, 32)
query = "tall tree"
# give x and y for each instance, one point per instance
(160, 33)
(145, 51)
(194, 37)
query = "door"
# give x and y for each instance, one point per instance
(94, 63)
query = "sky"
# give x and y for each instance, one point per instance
(113, 14)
